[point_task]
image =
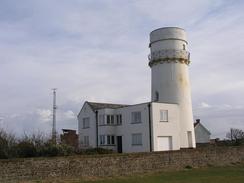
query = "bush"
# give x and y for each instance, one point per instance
(7, 143)
(26, 149)
(36, 145)
(91, 151)
(51, 149)
(3, 148)
(188, 167)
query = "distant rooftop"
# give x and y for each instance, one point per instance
(68, 130)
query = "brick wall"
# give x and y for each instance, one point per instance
(116, 164)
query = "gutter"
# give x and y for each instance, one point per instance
(150, 122)
(96, 128)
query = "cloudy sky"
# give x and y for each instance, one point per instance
(96, 50)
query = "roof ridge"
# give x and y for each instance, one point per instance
(107, 103)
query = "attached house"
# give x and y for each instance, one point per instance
(142, 127)
(202, 133)
(164, 123)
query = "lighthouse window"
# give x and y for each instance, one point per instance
(184, 46)
(156, 96)
(163, 115)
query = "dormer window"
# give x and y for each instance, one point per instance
(156, 96)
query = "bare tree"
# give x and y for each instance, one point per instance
(235, 135)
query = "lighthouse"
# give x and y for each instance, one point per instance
(164, 123)
(169, 61)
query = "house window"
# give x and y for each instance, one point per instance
(101, 119)
(110, 119)
(86, 140)
(112, 140)
(164, 115)
(137, 139)
(102, 139)
(107, 140)
(184, 47)
(86, 122)
(119, 119)
(136, 117)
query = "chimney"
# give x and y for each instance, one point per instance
(198, 120)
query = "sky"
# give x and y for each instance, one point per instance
(97, 50)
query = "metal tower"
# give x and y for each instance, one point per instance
(54, 133)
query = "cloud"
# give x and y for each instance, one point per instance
(204, 105)
(97, 51)
(220, 118)
(45, 115)
(69, 114)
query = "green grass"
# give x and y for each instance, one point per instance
(228, 174)
(232, 174)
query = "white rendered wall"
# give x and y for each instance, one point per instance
(164, 129)
(86, 111)
(171, 79)
(107, 129)
(127, 128)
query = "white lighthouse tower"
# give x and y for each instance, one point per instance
(169, 61)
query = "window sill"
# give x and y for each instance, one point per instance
(107, 125)
(107, 145)
(136, 123)
(163, 121)
(110, 125)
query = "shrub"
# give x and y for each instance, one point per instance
(26, 149)
(37, 145)
(188, 167)
(51, 149)
(91, 151)
(7, 143)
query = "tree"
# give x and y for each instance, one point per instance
(235, 135)
(7, 142)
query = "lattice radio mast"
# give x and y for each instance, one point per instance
(54, 133)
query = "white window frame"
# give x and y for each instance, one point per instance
(136, 117)
(136, 139)
(110, 140)
(119, 119)
(110, 119)
(102, 139)
(86, 122)
(164, 115)
(107, 140)
(86, 140)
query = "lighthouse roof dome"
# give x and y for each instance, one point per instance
(168, 33)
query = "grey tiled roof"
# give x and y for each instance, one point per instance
(97, 106)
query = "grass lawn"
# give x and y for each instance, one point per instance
(229, 174)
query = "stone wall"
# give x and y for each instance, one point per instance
(82, 166)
